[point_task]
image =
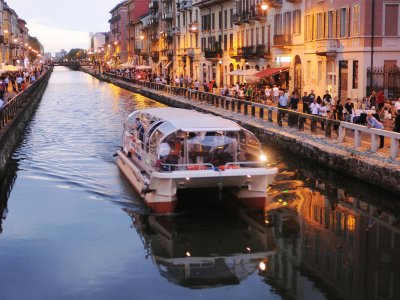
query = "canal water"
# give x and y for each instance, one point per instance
(72, 228)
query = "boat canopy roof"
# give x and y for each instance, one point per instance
(188, 120)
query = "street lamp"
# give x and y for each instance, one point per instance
(264, 6)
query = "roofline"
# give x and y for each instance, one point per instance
(123, 3)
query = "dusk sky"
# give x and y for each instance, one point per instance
(64, 24)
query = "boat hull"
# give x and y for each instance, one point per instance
(159, 189)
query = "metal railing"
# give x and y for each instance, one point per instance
(282, 117)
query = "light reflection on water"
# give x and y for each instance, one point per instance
(75, 229)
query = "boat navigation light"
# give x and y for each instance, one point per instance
(263, 157)
(187, 178)
(248, 176)
(188, 253)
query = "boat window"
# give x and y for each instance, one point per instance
(152, 127)
(217, 148)
(249, 148)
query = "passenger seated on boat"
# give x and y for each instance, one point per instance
(220, 156)
(164, 150)
(161, 164)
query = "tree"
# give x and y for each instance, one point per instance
(76, 53)
(35, 45)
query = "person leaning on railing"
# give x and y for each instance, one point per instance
(374, 123)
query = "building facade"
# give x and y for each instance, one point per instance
(345, 47)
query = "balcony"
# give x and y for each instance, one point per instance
(176, 31)
(167, 16)
(281, 40)
(294, 1)
(137, 51)
(184, 5)
(169, 52)
(194, 27)
(212, 53)
(166, 1)
(262, 51)
(153, 5)
(154, 37)
(327, 47)
(155, 18)
(167, 34)
(155, 54)
(238, 18)
(190, 52)
(277, 3)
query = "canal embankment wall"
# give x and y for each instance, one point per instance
(349, 156)
(16, 114)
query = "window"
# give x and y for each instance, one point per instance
(231, 18)
(330, 28)
(308, 70)
(252, 37)
(356, 20)
(225, 42)
(263, 35)
(247, 37)
(297, 22)
(225, 19)
(231, 41)
(220, 20)
(319, 72)
(178, 21)
(213, 21)
(355, 74)
(343, 22)
(278, 24)
(309, 28)
(257, 36)
(391, 20)
(320, 26)
(287, 23)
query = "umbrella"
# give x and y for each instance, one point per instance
(11, 68)
(143, 67)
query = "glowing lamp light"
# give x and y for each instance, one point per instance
(263, 157)
(142, 37)
(264, 6)
(194, 28)
(262, 266)
(5, 31)
(188, 254)
(115, 43)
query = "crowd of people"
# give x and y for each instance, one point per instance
(14, 82)
(371, 111)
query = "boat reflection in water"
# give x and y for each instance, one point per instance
(209, 249)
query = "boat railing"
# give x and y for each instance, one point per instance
(186, 167)
(208, 166)
(243, 164)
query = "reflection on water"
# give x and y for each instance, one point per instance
(208, 248)
(321, 236)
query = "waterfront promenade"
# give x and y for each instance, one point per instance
(353, 150)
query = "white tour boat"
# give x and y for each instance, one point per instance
(166, 149)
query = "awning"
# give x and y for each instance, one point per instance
(168, 64)
(248, 72)
(270, 72)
